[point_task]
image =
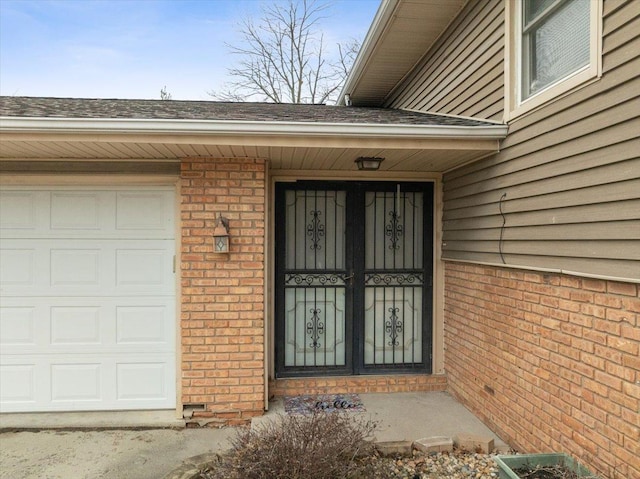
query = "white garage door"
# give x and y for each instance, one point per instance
(87, 299)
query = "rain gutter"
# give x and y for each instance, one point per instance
(244, 128)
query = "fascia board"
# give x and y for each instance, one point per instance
(244, 128)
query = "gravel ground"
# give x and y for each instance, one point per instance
(455, 465)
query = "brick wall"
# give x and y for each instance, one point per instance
(222, 303)
(358, 384)
(549, 361)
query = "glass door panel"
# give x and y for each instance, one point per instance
(393, 325)
(394, 230)
(314, 283)
(315, 235)
(394, 277)
(315, 326)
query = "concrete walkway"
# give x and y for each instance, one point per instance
(82, 445)
(411, 416)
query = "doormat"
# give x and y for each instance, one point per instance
(323, 403)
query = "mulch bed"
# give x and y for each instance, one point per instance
(323, 403)
(546, 472)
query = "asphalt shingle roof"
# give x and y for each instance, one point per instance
(45, 107)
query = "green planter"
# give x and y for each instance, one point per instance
(507, 464)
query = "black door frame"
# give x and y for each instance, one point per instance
(354, 268)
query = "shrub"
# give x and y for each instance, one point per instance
(318, 446)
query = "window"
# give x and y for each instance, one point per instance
(553, 46)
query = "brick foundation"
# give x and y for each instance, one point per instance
(549, 361)
(358, 384)
(222, 303)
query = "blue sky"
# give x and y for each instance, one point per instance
(133, 48)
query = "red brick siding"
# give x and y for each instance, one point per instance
(222, 303)
(358, 384)
(549, 361)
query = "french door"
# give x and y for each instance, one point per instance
(353, 277)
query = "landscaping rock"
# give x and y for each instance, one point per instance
(472, 443)
(434, 444)
(391, 448)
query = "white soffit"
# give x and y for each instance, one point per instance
(402, 32)
(292, 145)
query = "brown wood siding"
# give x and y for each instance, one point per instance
(462, 74)
(568, 173)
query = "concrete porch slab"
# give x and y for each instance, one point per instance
(410, 416)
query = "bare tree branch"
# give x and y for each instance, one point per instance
(282, 58)
(164, 94)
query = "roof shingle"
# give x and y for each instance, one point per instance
(46, 107)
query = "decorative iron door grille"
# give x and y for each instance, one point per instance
(353, 276)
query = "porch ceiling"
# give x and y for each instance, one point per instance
(291, 137)
(430, 156)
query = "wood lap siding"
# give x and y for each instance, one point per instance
(462, 74)
(566, 181)
(570, 169)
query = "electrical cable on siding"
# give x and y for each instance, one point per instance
(502, 228)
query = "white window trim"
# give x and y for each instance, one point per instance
(514, 106)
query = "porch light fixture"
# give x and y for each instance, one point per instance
(367, 163)
(221, 235)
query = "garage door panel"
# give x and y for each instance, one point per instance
(42, 325)
(138, 324)
(76, 382)
(17, 326)
(73, 210)
(86, 267)
(142, 268)
(143, 211)
(142, 381)
(24, 326)
(79, 325)
(17, 266)
(49, 267)
(79, 268)
(88, 382)
(18, 212)
(87, 213)
(17, 385)
(87, 307)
